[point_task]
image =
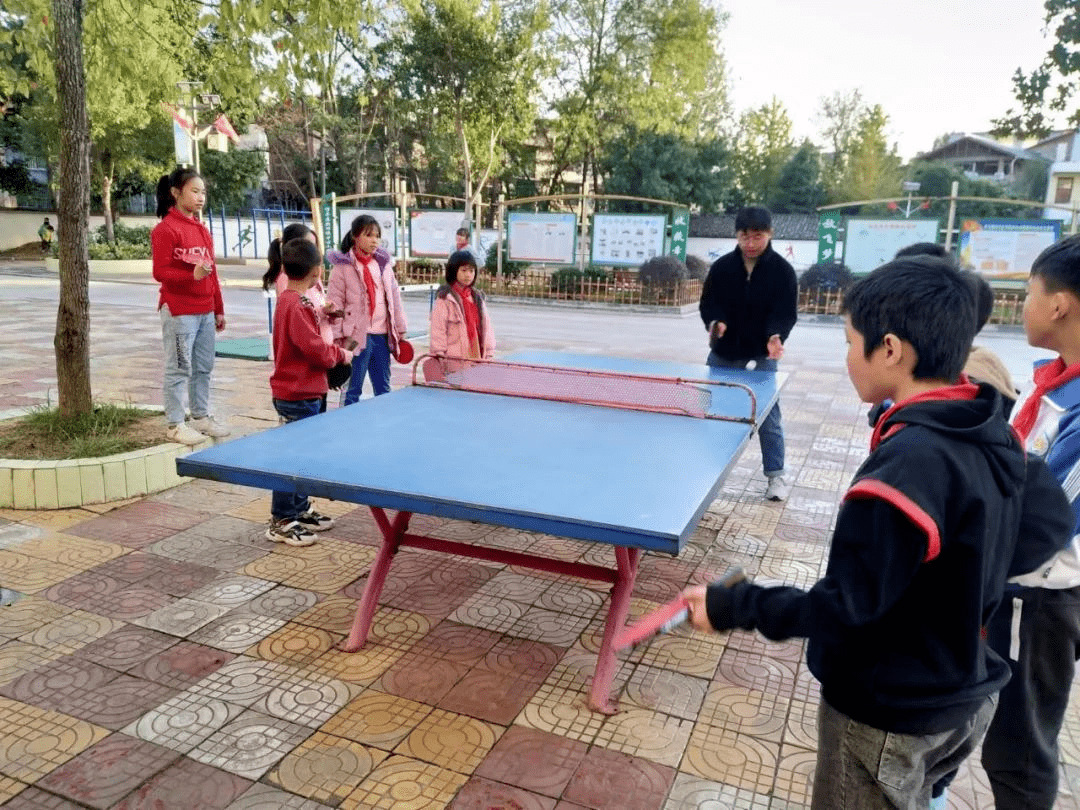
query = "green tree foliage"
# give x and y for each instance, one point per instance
(935, 179)
(799, 189)
(763, 147)
(231, 177)
(869, 168)
(668, 167)
(1050, 90)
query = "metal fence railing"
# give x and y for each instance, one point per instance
(1008, 304)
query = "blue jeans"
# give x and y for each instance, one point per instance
(860, 767)
(771, 432)
(188, 341)
(374, 360)
(287, 505)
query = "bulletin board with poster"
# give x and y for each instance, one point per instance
(1004, 249)
(870, 243)
(543, 238)
(386, 217)
(627, 240)
(431, 231)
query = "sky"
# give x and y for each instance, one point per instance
(935, 66)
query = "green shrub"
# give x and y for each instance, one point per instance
(566, 280)
(509, 269)
(696, 267)
(595, 272)
(662, 273)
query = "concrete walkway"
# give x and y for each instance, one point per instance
(160, 653)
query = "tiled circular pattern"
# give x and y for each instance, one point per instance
(399, 629)
(801, 726)
(460, 643)
(33, 742)
(18, 658)
(325, 768)
(490, 612)
(462, 530)
(334, 614)
(417, 677)
(283, 602)
(70, 550)
(83, 590)
(693, 793)
(118, 703)
(37, 575)
(309, 701)
(643, 733)
(264, 797)
(186, 784)
(294, 644)
(182, 665)
(182, 617)
(276, 567)
(70, 632)
(567, 597)
(450, 741)
(515, 587)
(482, 794)
(28, 614)
(183, 722)
(243, 681)
(180, 579)
(401, 783)
(522, 658)
(795, 774)
(103, 774)
(33, 798)
(549, 627)
(250, 745)
(377, 719)
(735, 759)
(490, 696)
(231, 590)
(237, 631)
(666, 691)
(9, 787)
(360, 667)
(607, 780)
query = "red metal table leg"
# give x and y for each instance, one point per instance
(365, 610)
(600, 692)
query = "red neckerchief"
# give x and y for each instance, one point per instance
(472, 314)
(961, 391)
(1047, 377)
(362, 263)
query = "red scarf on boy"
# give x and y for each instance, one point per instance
(362, 263)
(472, 314)
(1047, 377)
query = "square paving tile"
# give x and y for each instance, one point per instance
(104, 773)
(404, 782)
(183, 721)
(694, 793)
(450, 741)
(138, 525)
(250, 745)
(294, 644)
(18, 658)
(308, 698)
(180, 579)
(55, 684)
(237, 630)
(206, 551)
(647, 734)
(244, 680)
(34, 742)
(133, 566)
(70, 550)
(265, 797)
(33, 798)
(185, 785)
(231, 590)
(723, 755)
(117, 703)
(607, 780)
(665, 691)
(182, 617)
(417, 677)
(182, 665)
(125, 647)
(283, 602)
(533, 760)
(28, 614)
(325, 768)
(377, 719)
(10, 787)
(482, 794)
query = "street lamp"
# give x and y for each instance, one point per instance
(197, 102)
(910, 187)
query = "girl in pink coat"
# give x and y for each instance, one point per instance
(460, 326)
(364, 291)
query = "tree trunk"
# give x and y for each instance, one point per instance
(467, 160)
(106, 203)
(72, 338)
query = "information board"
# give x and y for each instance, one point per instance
(1005, 249)
(431, 232)
(627, 240)
(543, 238)
(870, 243)
(386, 217)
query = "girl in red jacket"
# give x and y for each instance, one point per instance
(460, 326)
(190, 305)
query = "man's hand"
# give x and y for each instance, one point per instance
(718, 329)
(776, 348)
(219, 322)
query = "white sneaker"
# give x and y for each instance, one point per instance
(209, 426)
(184, 435)
(778, 489)
(291, 533)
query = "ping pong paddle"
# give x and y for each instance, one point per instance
(666, 617)
(404, 352)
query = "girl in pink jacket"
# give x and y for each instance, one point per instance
(364, 291)
(460, 326)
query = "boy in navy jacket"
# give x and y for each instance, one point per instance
(924, 542)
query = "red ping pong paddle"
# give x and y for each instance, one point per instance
(666, 617)
(404, 352)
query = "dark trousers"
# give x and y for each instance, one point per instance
(287, 505)
(1038, 631)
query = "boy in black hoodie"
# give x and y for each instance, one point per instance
(924, 542)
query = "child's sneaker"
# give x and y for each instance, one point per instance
(778, 489)
(291, 533)
(315, 521)
(210, 426)
(184, 435)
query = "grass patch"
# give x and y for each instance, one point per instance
(108, 429)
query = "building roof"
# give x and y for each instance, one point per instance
(983, 142)
(785, 226)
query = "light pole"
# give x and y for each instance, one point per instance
(910, 187)
(197, 102)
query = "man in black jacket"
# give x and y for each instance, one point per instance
(749, 305)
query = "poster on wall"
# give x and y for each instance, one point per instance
(1004, 249)
(431, 232)
(627, 240)
(542, 238)
(386, 217)
(870, 243)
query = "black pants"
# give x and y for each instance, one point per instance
(1038, 631)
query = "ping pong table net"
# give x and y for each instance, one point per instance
(674, 395)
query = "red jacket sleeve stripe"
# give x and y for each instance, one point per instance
(871, 488)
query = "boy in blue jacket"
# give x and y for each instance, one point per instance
(924, 542)
(1038, 626)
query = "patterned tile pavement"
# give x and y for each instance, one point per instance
(159, 653)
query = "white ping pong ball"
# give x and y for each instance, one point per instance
(751, 365)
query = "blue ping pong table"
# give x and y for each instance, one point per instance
(635, 479)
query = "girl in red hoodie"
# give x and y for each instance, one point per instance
(190, 305)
